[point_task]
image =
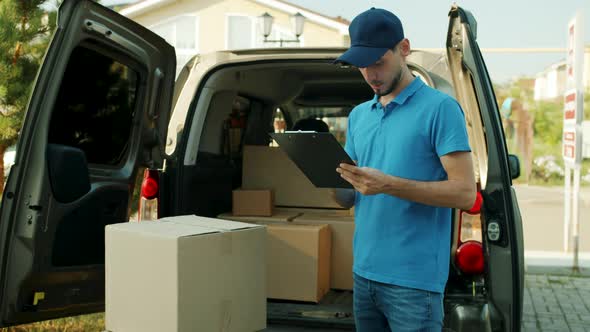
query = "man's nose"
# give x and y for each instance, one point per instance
(372, 74)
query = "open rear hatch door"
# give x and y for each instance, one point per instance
(501, 220)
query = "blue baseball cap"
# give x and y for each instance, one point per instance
(372, 33)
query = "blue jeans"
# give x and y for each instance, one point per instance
(385, 307)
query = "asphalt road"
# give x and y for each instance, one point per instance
(543, 214)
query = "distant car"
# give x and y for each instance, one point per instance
(105, 104)
(9, 159)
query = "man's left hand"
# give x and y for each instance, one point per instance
(367, 181)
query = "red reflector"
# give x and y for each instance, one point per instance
(476, 208)
(470, 258)
(149, 188)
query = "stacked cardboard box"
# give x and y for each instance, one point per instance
(299, 256)
(185, 273)
(270, 168)
(298, 262)
(300, 214)
(341, 229)
(253, 202)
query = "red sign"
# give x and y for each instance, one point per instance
(569, 151)
(570, 106)
(569, 144)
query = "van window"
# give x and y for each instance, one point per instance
(95, 107)
(336, 119)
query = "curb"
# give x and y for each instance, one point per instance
(556, 263)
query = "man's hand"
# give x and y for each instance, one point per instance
(367, 181)
(457, 191)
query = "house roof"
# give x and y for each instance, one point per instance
(338, 23)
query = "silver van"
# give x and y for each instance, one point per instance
(106, 110)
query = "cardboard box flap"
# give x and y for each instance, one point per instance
(162, 229)
(212, 223)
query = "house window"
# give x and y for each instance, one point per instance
(182, 32)
(240, 32)
(245, 31)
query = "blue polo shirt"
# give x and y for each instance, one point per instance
(397, 241)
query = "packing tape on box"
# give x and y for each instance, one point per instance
(293, 217)
(226, 243)
(225, 316)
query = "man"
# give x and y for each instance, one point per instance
(413, 165)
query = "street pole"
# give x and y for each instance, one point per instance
(576, 216)
(572, 139)
(567, 208)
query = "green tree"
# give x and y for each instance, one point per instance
(549, 122)
(25, 28)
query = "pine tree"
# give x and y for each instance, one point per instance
(25, 30)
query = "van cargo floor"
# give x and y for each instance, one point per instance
(334, 310)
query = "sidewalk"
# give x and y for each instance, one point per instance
(556, 303)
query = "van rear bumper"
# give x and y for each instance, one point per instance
(469, 317)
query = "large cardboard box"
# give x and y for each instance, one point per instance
(252, 202)
(298, 262)
(270, 168)
(342, 229)
(185, 273)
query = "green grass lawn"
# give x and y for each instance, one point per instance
(84, 323)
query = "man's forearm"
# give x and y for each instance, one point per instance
(453, 194)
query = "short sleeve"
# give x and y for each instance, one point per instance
(449, 131)
(349, 145)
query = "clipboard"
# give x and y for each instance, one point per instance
(317, 155)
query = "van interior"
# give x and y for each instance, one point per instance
(227, 147)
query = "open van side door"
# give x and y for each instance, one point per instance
(99, 110)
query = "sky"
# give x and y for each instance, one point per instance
(501, 24)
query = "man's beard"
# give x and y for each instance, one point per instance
(393, 86)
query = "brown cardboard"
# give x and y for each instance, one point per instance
(298, 262)
(270, 168)
(324, 214)
(280, 215)
(342, 228)
(179, 274)
(252, 202)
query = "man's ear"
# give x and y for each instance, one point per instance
(404, 47)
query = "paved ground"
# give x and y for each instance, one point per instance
(552, 303)
(556, 303)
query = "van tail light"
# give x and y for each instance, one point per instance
(476, 208)
(150, 193)
(469, 257)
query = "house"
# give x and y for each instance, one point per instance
(203, 26)
(551, 83)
